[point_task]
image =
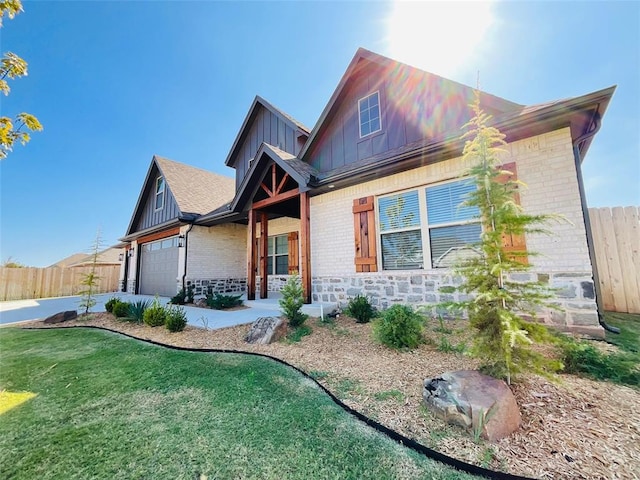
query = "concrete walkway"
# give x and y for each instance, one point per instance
(15, 312)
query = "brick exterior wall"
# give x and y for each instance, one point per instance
(217, 259)
(544, 163)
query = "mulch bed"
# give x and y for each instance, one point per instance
(575, 428)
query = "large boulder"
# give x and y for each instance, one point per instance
(62, 317)
(481, 404)
(266, 330)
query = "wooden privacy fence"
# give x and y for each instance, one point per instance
(26, 283)
(616, 239)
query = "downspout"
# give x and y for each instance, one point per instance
(587, 223)
(186, 251)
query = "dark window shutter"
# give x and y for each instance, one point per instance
(513, 244)
(294, 267)
(364, 223)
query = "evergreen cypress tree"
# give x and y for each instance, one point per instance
(90, 280)
(499, 309)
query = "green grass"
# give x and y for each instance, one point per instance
(298, 333)
(107, 407)
(629, 337)
(396, 395)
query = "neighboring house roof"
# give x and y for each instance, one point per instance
(246, 124)
(70, 260)
(108, 256)
(196, 191)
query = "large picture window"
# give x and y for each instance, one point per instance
(427, 223)
(369, 114)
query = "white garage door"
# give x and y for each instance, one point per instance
(159, 267)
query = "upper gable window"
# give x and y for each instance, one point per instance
(369, 114)
(159, 193)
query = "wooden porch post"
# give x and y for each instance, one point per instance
(305, 246)
(264, 245)
(251, 260)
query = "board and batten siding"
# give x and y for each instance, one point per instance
(267, 127)
(408, 111)
(150, 216)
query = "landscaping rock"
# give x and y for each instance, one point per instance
(62, 317)
(266, 330)
(476, 402)
(200, 303)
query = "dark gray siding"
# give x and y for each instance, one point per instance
(414, 106)
(265, 127)
(149, 216)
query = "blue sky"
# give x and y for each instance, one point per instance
(116, 82)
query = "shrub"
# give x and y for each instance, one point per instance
(399, 327)
(220, 302)
(361, 309)
(297, 333)
(109, 304)
(176, 319)
(137, 309)
(182, 297)
(155, 315)
(121, 309)
(292, 301)
(581, 357)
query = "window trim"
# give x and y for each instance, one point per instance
(425, 227)
(158, 193)
(377, 92)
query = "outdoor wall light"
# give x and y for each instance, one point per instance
(121, 257)
(130, 253)
(180, 241)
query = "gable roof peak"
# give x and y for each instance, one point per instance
(362, 54)
(258, 102)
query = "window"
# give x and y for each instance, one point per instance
(430, 219)
(277, 255)
(452, 228)
(369, 114)
(159, 193)
(400, 232)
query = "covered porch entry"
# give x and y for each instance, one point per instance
(276, 188)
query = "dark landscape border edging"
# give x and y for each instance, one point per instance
(396, 436)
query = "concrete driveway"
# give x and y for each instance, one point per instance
(15, 312)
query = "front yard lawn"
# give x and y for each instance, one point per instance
(110, 407)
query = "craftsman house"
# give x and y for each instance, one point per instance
(367, 201)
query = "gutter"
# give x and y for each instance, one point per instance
(186, 251)
(587, 222)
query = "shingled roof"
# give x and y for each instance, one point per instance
(195, 190)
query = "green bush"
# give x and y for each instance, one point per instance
(580, 357)
(220, 302)
(361, 309)
(399, 327)
(176, 319)
(292, 301)
(109, 304)
(121, 309)
(137, 309)
(183, 296)
(155, 315)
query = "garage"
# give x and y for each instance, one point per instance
(159, 267)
